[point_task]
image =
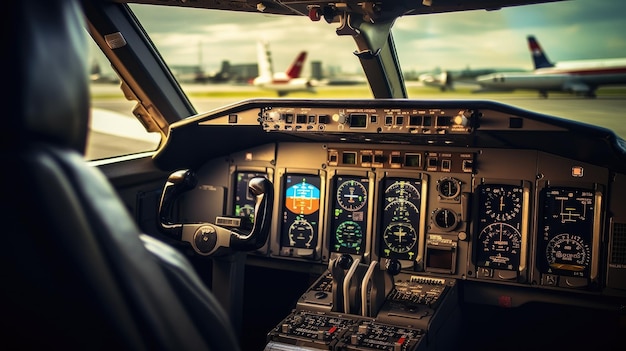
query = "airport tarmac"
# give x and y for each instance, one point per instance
(607, 110)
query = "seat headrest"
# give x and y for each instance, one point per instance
(51, 91)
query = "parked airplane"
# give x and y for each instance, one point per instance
(223, 75)
(580, 77)
(445, 80)
(378, 223)
(282, 82)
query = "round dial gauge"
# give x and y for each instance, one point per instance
(500, 245)
(351, 195)
(445, 219)
(301, 234)
(349, 235)
(402, 190)
(400, 237)
(449, 188)
(503, 204)
(568, 252)
(401, 210)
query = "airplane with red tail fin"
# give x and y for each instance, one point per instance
(281, 82)
(580, 77)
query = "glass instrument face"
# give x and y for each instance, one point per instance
(449, 188)
(349, 214)
(244, 202)
(445, 219)
(566, 231)
(499, 223)
(400, 220)
(301, 204)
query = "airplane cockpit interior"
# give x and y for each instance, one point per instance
(385, 223)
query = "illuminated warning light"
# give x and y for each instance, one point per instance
(577, 171)
(505, 301)
(332, 330)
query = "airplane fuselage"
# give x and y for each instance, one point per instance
(580, 77)
(283, 86)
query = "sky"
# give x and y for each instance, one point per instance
(568, 30)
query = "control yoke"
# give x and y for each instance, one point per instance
(215, 239)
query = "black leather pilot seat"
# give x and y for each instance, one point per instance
(76, 274)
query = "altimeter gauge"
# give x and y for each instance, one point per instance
(568, 252)
(502, 202)
(499, 246)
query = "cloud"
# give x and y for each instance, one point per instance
(567, 30)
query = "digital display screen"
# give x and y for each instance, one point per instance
(412, 160)
(499, 223)
(440, 259)
(349, 214)
(400, 220)
(349, 158)
(244, 201)
(358, 120)
(566, 231)
(301, 205)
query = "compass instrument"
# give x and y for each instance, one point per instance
(349, 214)
(500, 242)
(566, 235)
(400, 220)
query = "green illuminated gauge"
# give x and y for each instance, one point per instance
(401, 210)
(351, 195)
(301, 234)
(568, 252)
(449, 188)
(499, 246)
(445, 219)
(400, 237)
(349, 235)
(402, 190)
(503, 203)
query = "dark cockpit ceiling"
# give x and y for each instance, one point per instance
(373, 9)
(481, 124)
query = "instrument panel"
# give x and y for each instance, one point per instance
(466, 223)
(452, 189)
